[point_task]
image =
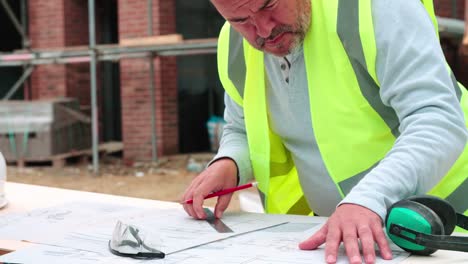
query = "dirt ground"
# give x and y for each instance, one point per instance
(165, 180)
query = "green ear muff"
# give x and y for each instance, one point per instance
(442, 208)
(422, 224)
(416, 216)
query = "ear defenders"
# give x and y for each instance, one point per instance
(422, 224)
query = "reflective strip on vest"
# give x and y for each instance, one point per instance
(223, 57)
(348, 30)
(459, 196)
(458, 88)
(236, 61)
(338, 108)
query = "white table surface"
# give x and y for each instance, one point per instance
(24, 197)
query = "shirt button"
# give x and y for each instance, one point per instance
(283, 66)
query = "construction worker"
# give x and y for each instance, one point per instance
(340, 108)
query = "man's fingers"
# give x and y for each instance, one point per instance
(199, 195)
(197, 206)
(315, 240)
(382, 242)
(189, 191)
(332, 243)
(350, 241)
(222, 204)
(189, 195)
(189, 209)
(367, 243)
(350, 224)
(221, 174)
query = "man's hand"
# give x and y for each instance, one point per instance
(220, 175)
(348, 224)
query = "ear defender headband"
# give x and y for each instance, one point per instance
(422, 224)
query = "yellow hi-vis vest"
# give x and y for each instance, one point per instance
(353, 128)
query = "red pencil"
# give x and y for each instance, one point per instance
(225, 191)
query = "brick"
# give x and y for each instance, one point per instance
(135, 83)
(55, 24)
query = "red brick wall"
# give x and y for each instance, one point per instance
(76, 34)
(135, 84)
(58, 24)
(46, 27)
(64, 23)
(76, 22)
(457, 61)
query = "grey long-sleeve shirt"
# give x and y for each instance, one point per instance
(414, 82)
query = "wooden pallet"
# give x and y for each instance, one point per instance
(59, 161)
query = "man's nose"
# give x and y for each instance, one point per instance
(263, 24)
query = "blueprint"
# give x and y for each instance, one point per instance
(271, 245)
(89, 226)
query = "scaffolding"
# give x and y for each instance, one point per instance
(94, 53)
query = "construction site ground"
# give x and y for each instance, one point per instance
(163, 180)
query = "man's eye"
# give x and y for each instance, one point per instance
(240, 22)
(271, 6)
